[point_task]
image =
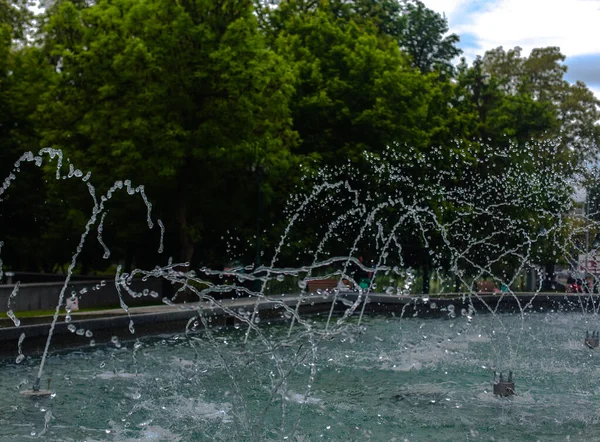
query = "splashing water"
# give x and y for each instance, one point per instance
(98, 209)
(9, 311)
(21, 356)
(486, 220)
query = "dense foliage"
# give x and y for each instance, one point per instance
(219, 108)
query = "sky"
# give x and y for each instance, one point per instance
(572, 25)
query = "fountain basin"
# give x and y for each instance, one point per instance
(413, 378)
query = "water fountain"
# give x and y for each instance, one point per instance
(367, 363)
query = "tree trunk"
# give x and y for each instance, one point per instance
(186, 245)
(426, 276)
(550, 272)
(128, 260)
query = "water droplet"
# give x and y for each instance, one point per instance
(12, 316)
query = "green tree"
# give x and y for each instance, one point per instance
(355, 91)
(184, 97)
(424, 38)
(26, 208)
(541, 76)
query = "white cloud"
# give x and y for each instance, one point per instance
(595, 90)
(448, 7)
(572, 25)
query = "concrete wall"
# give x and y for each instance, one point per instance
(44, 296)
(10, 277)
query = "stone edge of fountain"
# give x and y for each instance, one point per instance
(161, 319)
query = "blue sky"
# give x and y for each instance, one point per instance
(572, 25)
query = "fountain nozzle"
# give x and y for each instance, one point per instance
(592, 341)
(36, 391)
(504, 388)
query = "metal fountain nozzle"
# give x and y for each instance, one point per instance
(504, 388)
(593, 340)
(36, 391)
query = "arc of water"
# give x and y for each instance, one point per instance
(409, 212)
(524, 258)
(100, 240)
(96, 211)
(319, 249)
(368, 221)
(61, 295)
(487, 209)
(295, 217)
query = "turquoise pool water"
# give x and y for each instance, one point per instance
(393, 379)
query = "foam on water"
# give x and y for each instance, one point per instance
(117, 375)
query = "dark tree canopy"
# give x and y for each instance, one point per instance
(220, 107)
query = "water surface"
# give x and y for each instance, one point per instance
(393, 379)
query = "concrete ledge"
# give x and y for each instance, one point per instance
(150, 320)
(100, 293)
(168, 319)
